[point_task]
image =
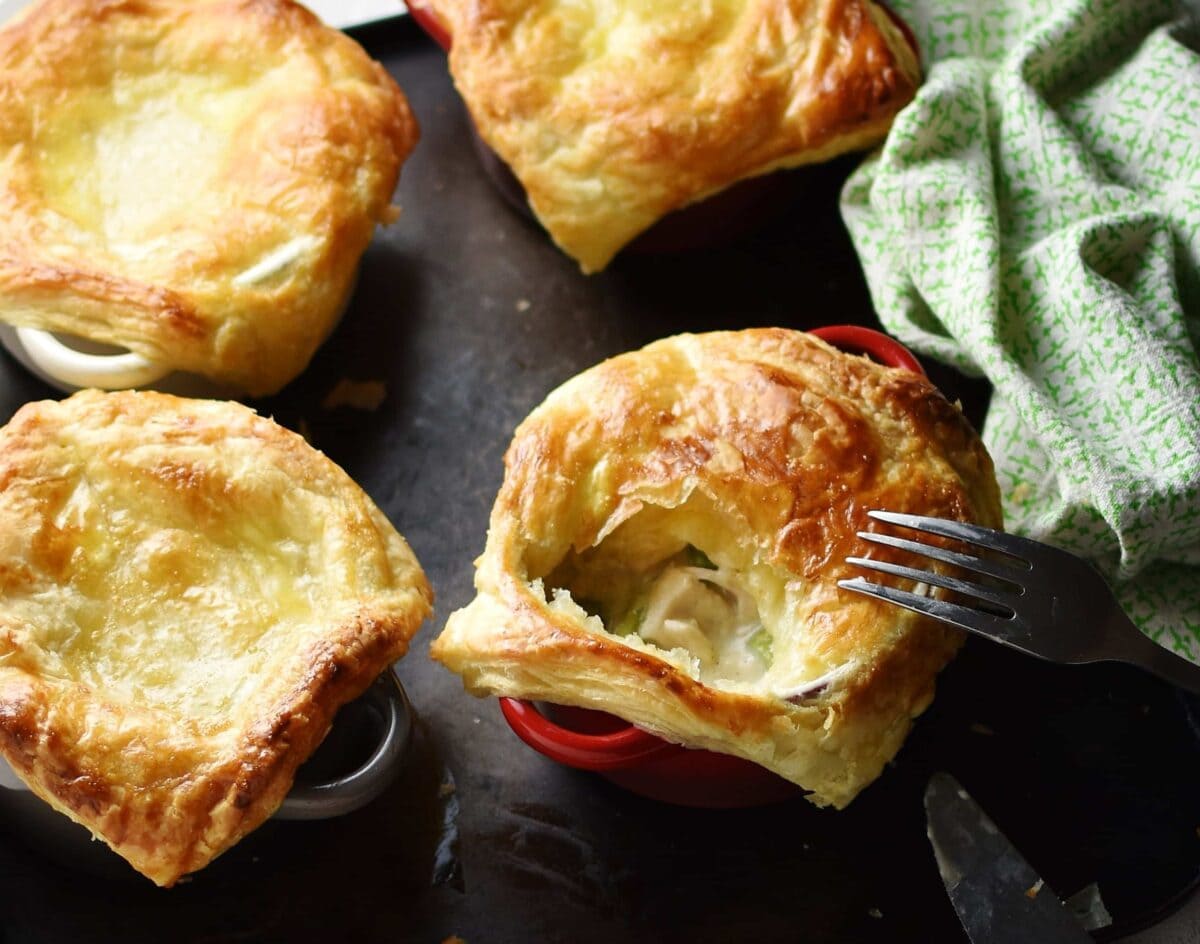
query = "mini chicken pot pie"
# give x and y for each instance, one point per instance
(189, 593)
(194, 180)
(667, 542)
(612, 114)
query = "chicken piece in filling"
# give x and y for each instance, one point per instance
(690, 603)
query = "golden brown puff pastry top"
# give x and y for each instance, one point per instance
(188, 593)
(613, 114)
(667, 542)
(194, 180)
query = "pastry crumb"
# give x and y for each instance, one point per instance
(875, 912)
(1032, 892)
(356, 394)
(523, 304)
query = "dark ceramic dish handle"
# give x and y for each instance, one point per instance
(349, 792)
(320, 798)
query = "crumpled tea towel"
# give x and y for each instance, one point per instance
(1034, 215)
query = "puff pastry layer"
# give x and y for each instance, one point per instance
(665, 509)
(613, 114)
(194, 180)
(188, 593)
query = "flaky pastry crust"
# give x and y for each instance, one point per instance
(762, 449)
(194, 180)
(189, 593)
(614, 114)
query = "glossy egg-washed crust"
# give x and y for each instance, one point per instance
(765, 449)
(614, 114)
(151, 151)
(188, 593)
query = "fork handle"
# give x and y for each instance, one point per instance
(1161, 661)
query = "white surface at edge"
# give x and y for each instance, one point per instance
(1181, 928)
(339, 13)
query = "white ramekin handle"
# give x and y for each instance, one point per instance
(68, 366)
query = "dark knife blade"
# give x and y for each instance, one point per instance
(998, 896)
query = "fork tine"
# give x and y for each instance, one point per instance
(1002, 629)
(971, 533)
(991, 594)
(993, 568)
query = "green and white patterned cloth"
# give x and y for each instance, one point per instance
(1034, 215)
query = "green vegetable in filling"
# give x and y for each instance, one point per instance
(761, 644)
(631, 622)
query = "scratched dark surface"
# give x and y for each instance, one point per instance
(470, 317)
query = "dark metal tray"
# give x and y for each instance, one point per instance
(470, 317)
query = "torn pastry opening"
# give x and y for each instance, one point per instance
(676, 583)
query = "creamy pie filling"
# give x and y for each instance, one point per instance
(692, 604)
(675, 583)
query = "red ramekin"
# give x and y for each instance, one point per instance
(428, 21)
(643, 763)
